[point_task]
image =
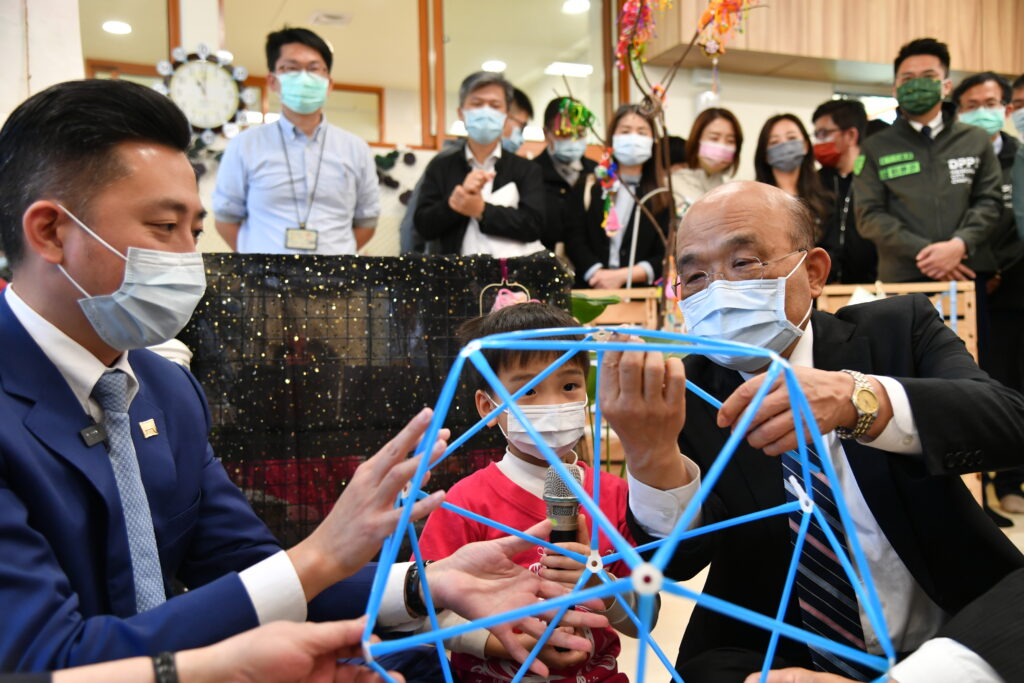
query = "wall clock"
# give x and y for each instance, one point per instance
(207, 88)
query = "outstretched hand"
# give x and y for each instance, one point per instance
(480, 580)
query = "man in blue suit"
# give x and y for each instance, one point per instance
(109, 490)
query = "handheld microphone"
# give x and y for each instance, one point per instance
(562, 506)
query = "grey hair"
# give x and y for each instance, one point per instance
(475, 81)
(801, 223)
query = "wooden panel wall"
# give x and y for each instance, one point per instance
(981, 34)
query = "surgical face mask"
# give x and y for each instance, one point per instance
(786, 156)
(158, 295)
(716, 154)
(561, 426)
(302, 92)
(748, 311)
(632, 149)
(568, 150)
(826, 153)
(483, 124)
(513, 142)
(919, 95)
(1017, 116)
(988, 119)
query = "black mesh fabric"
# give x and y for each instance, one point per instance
(311, 363)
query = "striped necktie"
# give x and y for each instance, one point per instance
(111, 392)
(828, 603)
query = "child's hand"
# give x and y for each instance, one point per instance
(567, 571)
(556, 658)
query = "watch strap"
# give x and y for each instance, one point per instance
(864, 419)
(164, 669)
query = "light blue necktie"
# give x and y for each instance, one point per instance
(111, 392)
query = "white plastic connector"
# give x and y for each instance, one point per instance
(806, 504)
(594, 562)
(647, 579)
(367, 655)
(470, 348)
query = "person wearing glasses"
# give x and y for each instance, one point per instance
(298, 185)
(903, 408)
(839, 127)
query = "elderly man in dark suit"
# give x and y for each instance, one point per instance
(904, 410)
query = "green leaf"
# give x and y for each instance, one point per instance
(587, 308)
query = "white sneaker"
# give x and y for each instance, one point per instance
(1012, 502)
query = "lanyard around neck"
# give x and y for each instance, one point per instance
(316, 179)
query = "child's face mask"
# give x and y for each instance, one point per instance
(561, 425)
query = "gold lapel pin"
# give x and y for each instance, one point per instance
(148, 428)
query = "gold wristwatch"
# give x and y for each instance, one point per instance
(865, 402)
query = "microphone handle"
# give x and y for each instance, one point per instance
(563, 536)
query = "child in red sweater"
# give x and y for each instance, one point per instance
(510, 492)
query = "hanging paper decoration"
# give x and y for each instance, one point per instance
(721, 20)
(573, 117)
(607, 173)
(636, 28)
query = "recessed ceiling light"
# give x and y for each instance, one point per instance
(575, 6)
(495, 65)
(117, 27)
(569, 69)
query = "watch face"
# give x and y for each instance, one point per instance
(206, 92)
(866, 401)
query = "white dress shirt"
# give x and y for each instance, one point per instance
(273, 585)
(935, 125)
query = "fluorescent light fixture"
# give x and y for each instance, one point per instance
(533, 133)
(253, 117)
(495, 65)
(271, 117)
(119, 28)
(569, 69)
(575, 6)
(225, 57)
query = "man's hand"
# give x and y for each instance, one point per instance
(643, 398)
(799, 676)
(939, 260)
(557, 659)
(365, 514)
(467, 203)
(828, 394)
(476, 179)
(282, 652)
(480, 579)
(608, 278)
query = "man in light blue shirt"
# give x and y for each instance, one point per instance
(299, 185)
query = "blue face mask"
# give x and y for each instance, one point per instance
(1018, 120)
(483, 124)
(513, 142)
(632, 149)
(568, 150)
(988, 119)
(747, 311)
(302, 92)
(157, 297)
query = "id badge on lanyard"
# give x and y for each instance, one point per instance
(302, 238)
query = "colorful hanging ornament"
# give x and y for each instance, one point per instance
(573, 117)
(607, 172)
(720, 21)
(636, 28)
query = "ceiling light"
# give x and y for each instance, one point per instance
(569, 69)
(495, 65)
(575, 6)
(117, 27)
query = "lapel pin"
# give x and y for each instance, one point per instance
(148, 428)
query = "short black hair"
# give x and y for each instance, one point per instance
(516, 318)
(978, 79)
(521, 101)
(1019, 83)
(676, 150)
(480, 79)
(846, 114)
(923, 46)
(278, 39)
(875, 126)
(61, 143)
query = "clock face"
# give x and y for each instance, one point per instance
(206, 92)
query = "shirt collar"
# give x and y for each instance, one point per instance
(496, 154)
(997, 144)
(79, 368)
(935, 124)
(291, 131)
(526, 475)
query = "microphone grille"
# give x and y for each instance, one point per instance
(554, 487)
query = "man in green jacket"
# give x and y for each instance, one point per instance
(927, 189)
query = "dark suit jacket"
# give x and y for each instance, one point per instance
(563, 203)
(588, 244)
(966, 422)
(66, 587)
(435, 220)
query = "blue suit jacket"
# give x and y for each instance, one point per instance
(66, 590)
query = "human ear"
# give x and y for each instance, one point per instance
(484, 405)
(818, 265)
(43, 226)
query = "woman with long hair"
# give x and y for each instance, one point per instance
(712, 154)
(783, 158)
(599, 248)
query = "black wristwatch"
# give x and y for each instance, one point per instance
(164, 669)
(413, 600)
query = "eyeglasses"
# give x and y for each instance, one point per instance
(315, 69)
(740, 268)
(823, 134)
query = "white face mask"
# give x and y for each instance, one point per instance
(748, 311)
(158, 295)
(561, 425)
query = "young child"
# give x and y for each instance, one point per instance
(510, 491)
